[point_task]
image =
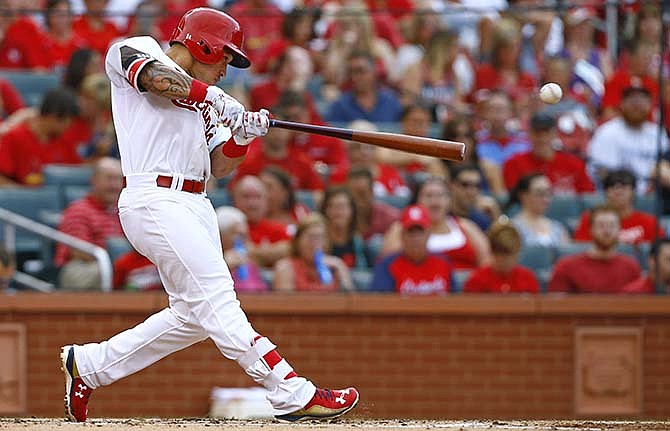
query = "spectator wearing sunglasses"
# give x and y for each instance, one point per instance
(467, 201)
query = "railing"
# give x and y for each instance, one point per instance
(12, 220)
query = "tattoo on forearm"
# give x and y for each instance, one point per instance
(165, 81)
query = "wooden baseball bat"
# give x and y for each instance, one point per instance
(412, 144)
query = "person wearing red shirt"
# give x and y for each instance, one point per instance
(503, 274)
(637, 75)
(601, 269)
(94, 219)
(310, 268)
(94, 28)
(636, 226)
(566, 172)
(30, 145)
(134, 272)
(269, 240)
(413, 270)
(60, 38)
(657, 279)
(10, 99)
(261, 21)
(22, 43)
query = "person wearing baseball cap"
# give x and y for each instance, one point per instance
(413, 270)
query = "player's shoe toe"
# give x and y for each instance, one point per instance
(325, 404)
(77, 392)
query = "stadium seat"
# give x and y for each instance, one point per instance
(73, 193)
(219, 197)
(117, 246)
(362, 279)
(589, 200)
(571, 248)
(563, 207)
(67, 175)
(374, 247)
(394, 200)
(459, 277)
(646, 203)
(537, 257)
(31, 85)
(268, 276)
(306, 197)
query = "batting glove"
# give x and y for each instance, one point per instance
(227, 107)
(251, 125)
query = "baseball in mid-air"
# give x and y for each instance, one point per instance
(551, 93)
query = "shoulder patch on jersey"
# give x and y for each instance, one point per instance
(129, 55)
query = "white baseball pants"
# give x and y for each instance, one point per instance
(178, 231)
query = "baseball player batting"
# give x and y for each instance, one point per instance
(176, 128)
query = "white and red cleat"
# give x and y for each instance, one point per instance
(76, 391)
(325, 404)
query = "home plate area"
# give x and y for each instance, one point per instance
(193, 424)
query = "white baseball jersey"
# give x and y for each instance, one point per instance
(156, 134)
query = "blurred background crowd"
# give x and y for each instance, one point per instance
(572, 197)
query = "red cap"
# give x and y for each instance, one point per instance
(415, 215)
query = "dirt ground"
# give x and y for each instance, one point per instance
(191, 424)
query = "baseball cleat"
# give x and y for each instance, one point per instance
(76, 391)
(325, 404)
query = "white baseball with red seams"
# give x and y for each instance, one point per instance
(551, 93)
(178, 231)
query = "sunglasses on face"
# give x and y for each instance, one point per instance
(469, 184)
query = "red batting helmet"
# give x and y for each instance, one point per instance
(206, 32)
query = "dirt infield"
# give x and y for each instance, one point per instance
(191, 424)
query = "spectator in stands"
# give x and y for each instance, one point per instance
(145, 21)
(373, 217)
(533, 194)
(413, 270)
(461, 240)
(62, 41)
(637, 74)
(135, 273)
(466, 198)
(283, 207)
(92, 132)
(94, 28)
(30, 145)
(657, 279)
(297, 30)
(503, 274)
(636, 226)
(461, 129)
(387, 179)
(368, 99)
(629, 141)
(310, 268)
(566, 172)
(415, 121)
(339, 211)
(327, 154)
(500, 137)
(94, 219)
(601, 269)
(22, 41)
(10, 100)
(269, 240)
(83, 62)
(352, 34)
(261, 21)
(574, 117)
(444, 77)
(234, 232)
(592, 65)
(504, 71)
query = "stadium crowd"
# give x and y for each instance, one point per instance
(570, 197)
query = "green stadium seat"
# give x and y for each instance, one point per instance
(537, 257)
(394, 200)
(589, 200)
(571, 248)
(563, 207)
(67, 175)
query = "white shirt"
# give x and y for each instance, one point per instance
(614, 145)
(155, 134)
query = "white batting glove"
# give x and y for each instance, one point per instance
(227, 108)
(251, 125)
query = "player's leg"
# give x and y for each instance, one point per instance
(186, 247)
(89, 366)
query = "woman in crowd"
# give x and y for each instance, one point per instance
(309, 268)
(283, 206)
(533, 194)
(61, 40)
(339, 210)
(460, 239)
